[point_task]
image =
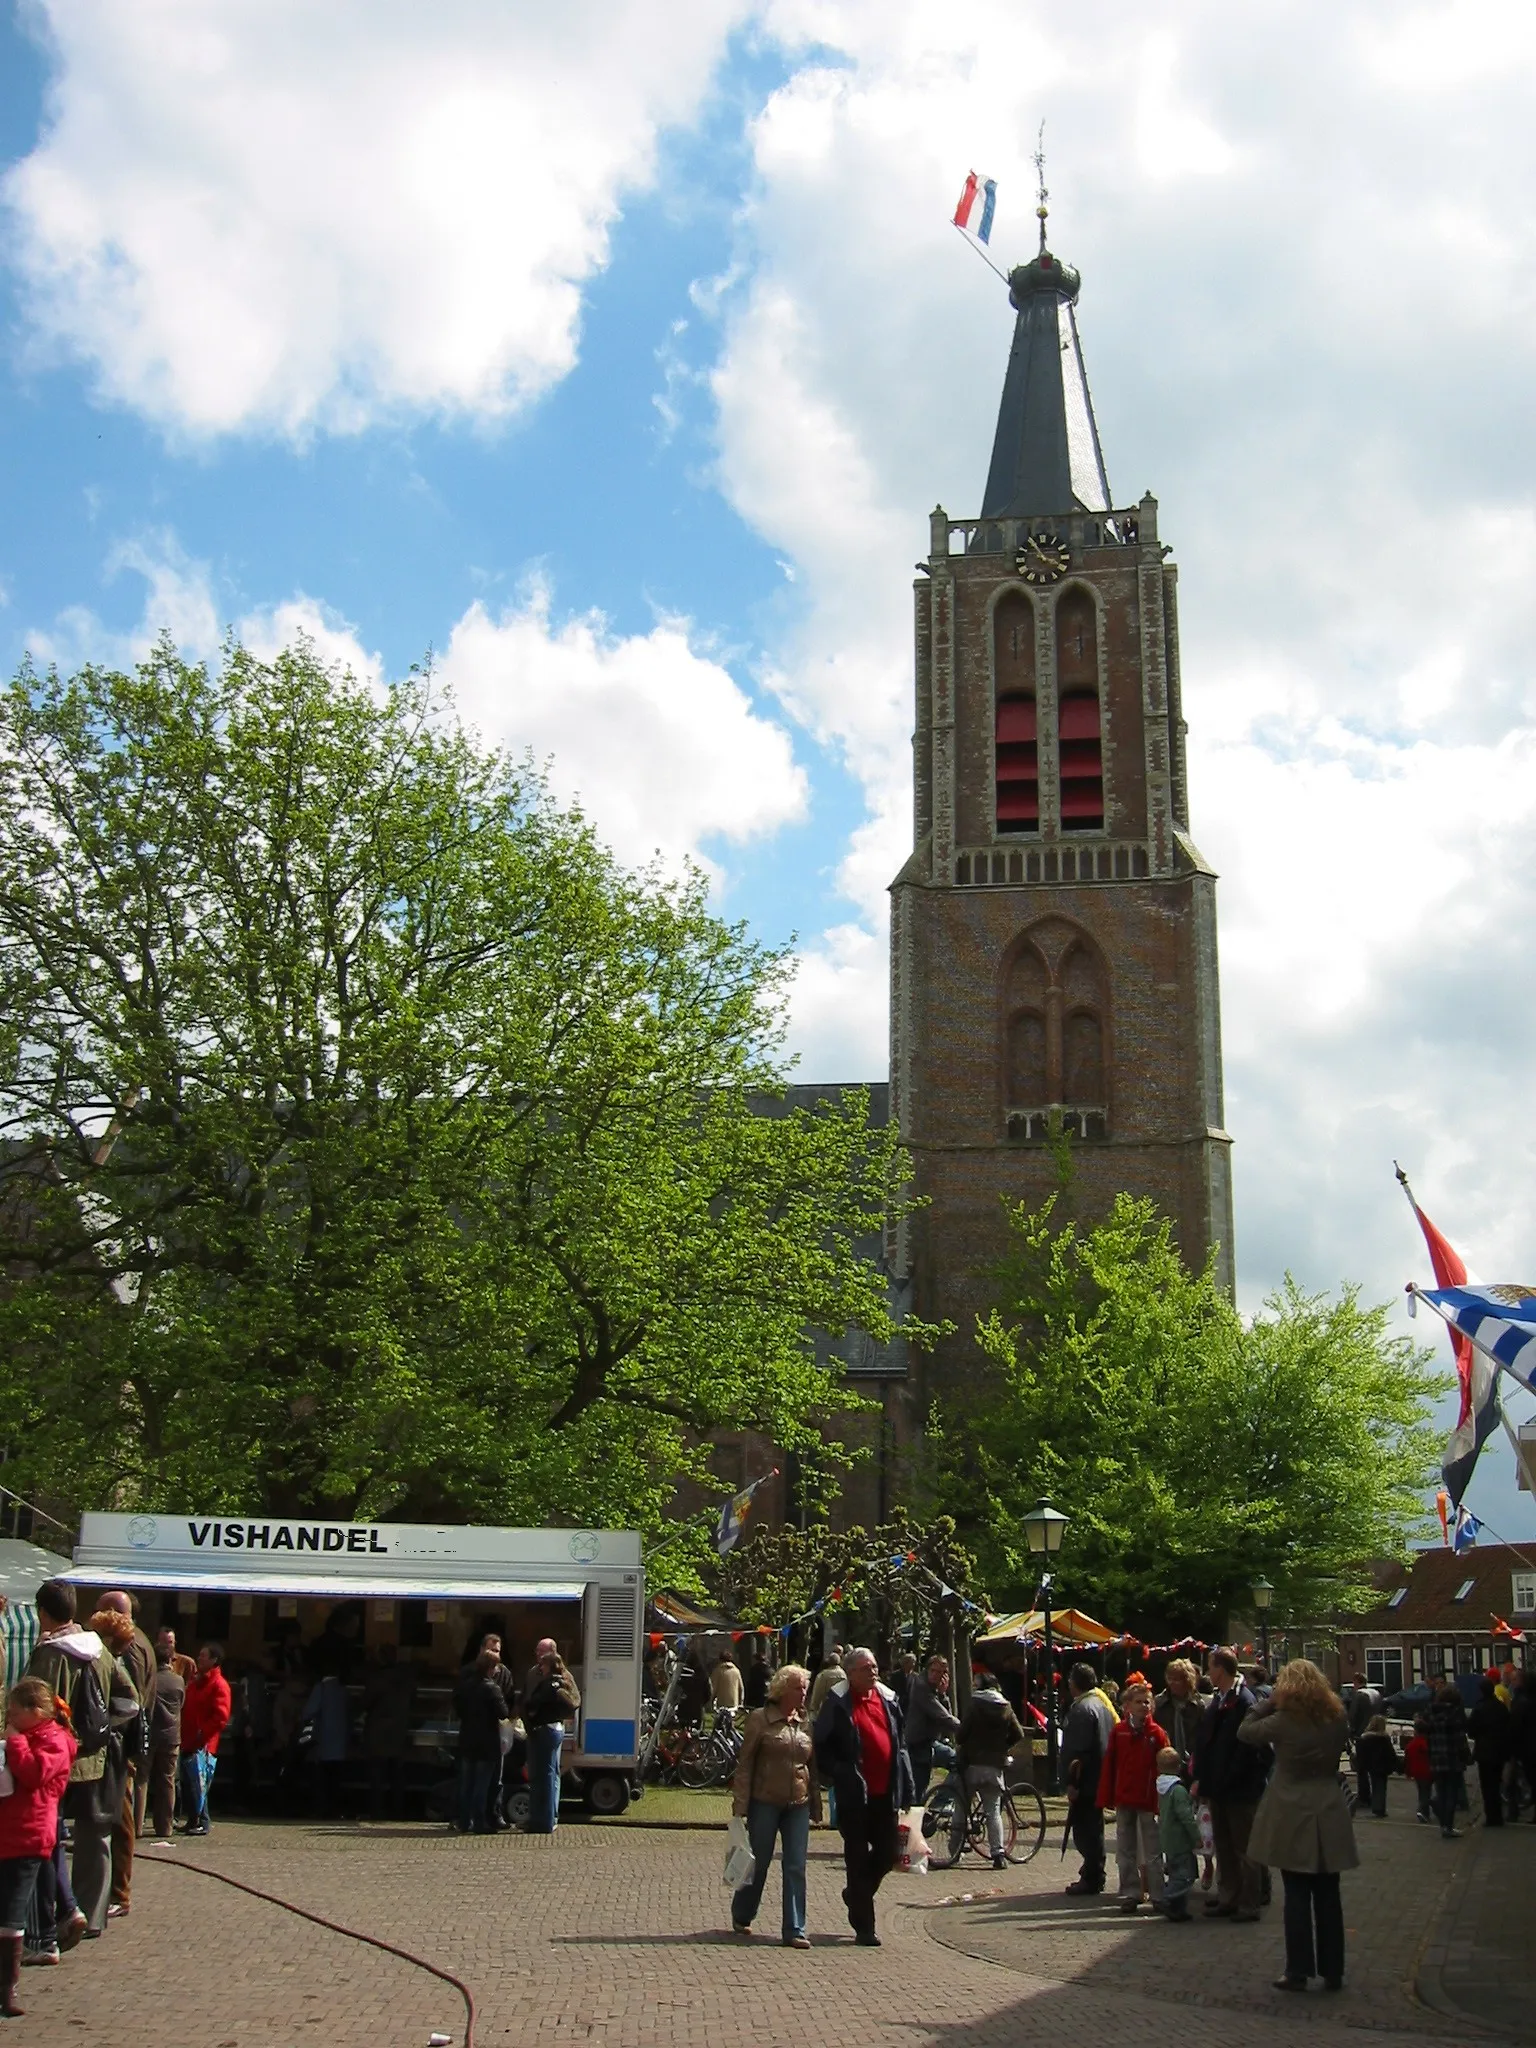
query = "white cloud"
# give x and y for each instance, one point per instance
(654, 738)
(657, 741)
(281, 217)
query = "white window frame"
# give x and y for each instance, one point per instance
(1381, 1657)
(1522, 1593)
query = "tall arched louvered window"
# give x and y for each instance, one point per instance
(1080, 741)
(1017, 732)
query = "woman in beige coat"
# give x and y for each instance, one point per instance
(771, 1792)
(1302, 1827)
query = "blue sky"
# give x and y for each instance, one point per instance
(621, 368)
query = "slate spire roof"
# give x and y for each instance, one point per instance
(1046, 457)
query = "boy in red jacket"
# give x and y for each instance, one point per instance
(38, 1754)
(1128, 1783)
(1416, 1764)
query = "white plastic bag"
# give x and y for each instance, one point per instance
(740, 1863)
(913, 1851)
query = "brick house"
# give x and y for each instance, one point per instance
(1438, 1616)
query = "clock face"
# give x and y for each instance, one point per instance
(1043, 558)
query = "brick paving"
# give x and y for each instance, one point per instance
(616, 1938)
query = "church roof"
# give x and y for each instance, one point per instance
(1046, 457)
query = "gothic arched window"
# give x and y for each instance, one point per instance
(1080, 751)
(1055, 1015)
(1016, 732)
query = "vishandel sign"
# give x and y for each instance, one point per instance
(247, 1547)
(317, 1536)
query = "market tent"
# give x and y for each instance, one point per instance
(24, 1566)
(1068, 1626)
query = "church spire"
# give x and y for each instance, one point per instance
(1046, 455)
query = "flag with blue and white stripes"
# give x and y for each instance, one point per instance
(1500, 1321)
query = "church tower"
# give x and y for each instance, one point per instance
(1053, 935)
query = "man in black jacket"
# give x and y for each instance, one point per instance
(859, 1753)
(1229, 1775)
(1089, 1721)
(1489, 1727)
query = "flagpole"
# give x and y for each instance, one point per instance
(960, 231)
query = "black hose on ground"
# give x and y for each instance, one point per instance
(335, 1927)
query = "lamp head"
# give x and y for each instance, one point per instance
(1263, 1592)
(1044, 1527)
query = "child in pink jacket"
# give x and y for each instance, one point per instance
(39, 1752)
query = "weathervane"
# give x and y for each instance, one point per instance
(1042, 191)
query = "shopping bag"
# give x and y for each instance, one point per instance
(1207, 1832)
(912, 1849)
(740, 1863)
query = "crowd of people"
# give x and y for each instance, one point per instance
(1215, 1782)
(97, 1735)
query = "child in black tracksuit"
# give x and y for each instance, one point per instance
(1375, 1762)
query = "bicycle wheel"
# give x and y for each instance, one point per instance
(1023, 1823)
(938, 1826)
(699, 1764)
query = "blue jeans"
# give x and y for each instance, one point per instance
(792, 1826)
(475, 1777)
(544, 1779)
(197, 1769)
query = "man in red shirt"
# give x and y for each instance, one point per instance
(204, 1718)
(859, 1752)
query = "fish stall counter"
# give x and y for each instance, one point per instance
(255, 1582)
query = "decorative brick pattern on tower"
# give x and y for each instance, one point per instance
(1053, 935)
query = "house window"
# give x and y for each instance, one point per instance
(1384, 1668)
(1523, 1592)
(1079, 738)
(1463, 1589)
(1470, 1657)
(1398, 1597)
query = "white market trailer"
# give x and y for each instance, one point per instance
(588, 1583)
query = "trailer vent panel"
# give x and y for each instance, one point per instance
(616, 1625)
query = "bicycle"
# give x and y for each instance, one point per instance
(709, 1759)
(1023, 1817)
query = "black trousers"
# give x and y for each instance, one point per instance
(1490, 1779)
(1088, 1840)
(869, 1850)
(1312, 1897)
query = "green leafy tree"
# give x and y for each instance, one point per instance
(902, 1571)
(375, 1143)
(1192, 1452)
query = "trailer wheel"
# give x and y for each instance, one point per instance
(607, 1792)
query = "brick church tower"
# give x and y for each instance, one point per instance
(1053, 935)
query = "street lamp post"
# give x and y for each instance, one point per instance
(1263, 1592)
(1044, 1526)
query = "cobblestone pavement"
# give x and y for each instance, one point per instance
(618, 1938)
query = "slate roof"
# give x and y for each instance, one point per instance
(1430, 1606)
(1046, 455)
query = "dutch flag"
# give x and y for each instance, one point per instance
(987, 187)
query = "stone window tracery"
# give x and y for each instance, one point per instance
(1055, 1013)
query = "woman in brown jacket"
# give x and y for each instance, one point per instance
(772, 1793)
(1302, 1827)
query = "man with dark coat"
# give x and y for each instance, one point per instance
(1090, 1720)
(859, 1753)
(1488, 1725)
(164, 1740)
(1229, 1776)
(138, 1653)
